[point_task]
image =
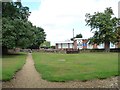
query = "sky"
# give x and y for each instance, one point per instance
(59, 17)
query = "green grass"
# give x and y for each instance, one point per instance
(83, 66)
(11, 64)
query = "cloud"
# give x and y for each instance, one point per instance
(59, 17)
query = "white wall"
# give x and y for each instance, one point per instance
(64, 45)
(112, 45)
(79, 44)
(100, 46)
(71, 45)
(89, 46)
(59, 46)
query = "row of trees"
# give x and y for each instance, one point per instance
(17, 31)
(104, 27)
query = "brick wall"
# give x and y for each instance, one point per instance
(95, 46)
(56, 46)
(75, 44)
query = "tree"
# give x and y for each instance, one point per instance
(45, 44)
(15, 10)
(94, 40)
(17, 31)
(104, 25)
(39, 37)
(0, 24)
(77, 36)
(118, 35)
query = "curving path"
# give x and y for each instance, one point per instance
(28, 77)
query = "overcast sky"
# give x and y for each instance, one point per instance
(59, 17)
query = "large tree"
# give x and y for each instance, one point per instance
(103, 25)
(15, 10)
(17, 31)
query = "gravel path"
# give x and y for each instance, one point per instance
(28, 77)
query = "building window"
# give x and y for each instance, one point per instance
(112, 45)
(64, 45)
(71, 45)
(102, 45)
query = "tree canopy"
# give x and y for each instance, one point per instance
(17, 31)
(104, 27)
(77, 36)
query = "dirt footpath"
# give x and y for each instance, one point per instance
(28, 77)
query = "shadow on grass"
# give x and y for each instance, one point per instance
(13, 54)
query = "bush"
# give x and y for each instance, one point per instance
(100, 50)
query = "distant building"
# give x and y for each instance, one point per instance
(64, 45)
(80, 43)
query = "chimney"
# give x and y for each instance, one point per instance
(73, 33)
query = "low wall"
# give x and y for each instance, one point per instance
(68, 51)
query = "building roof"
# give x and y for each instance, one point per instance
(80, 38)
(65, 42)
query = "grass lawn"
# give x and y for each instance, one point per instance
(82, 66)
(11, 64)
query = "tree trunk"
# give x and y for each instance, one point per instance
(4, 50)
(107, 46)
(119, 43)
(0, 50)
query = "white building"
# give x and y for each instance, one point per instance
(80, 43)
